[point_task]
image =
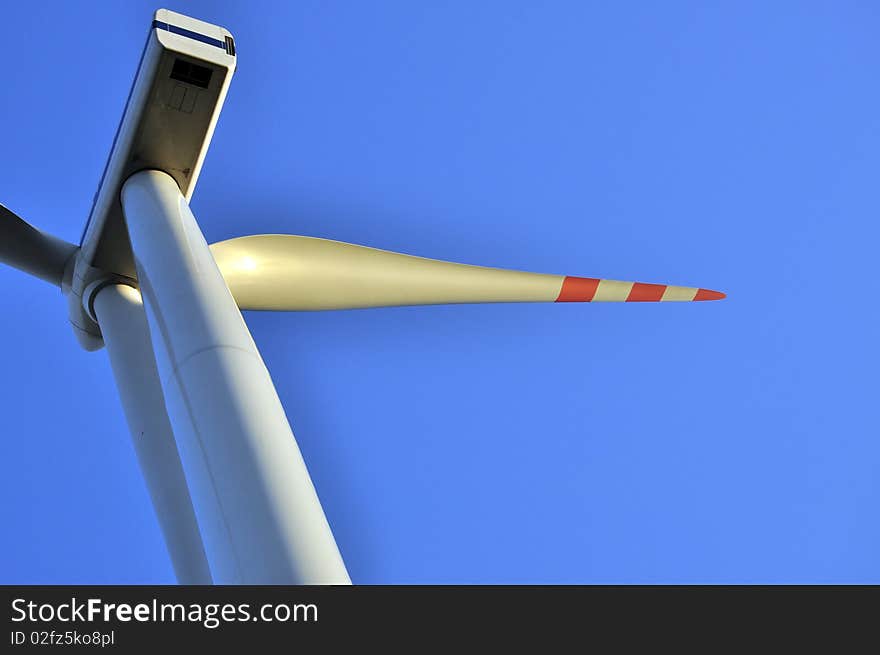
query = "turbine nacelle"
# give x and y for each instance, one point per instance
(169, 118)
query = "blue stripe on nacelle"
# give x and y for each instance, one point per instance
(168, 27)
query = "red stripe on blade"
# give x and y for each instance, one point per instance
(642, 292)
(578, 289)
(708, 294)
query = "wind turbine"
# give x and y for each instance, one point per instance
(228, 483)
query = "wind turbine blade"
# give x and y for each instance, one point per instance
(32, 251)
(287, 273)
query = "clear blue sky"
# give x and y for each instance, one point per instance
(734, 146)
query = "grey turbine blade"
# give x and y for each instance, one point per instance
(32, 251)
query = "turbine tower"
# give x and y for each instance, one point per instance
(229, 486)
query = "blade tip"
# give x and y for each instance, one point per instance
(708, 294)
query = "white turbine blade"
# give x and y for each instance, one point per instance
(32, 251)
(286, 273)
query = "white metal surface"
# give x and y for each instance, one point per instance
(120, 313)
(259, 514)
(155, 132)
